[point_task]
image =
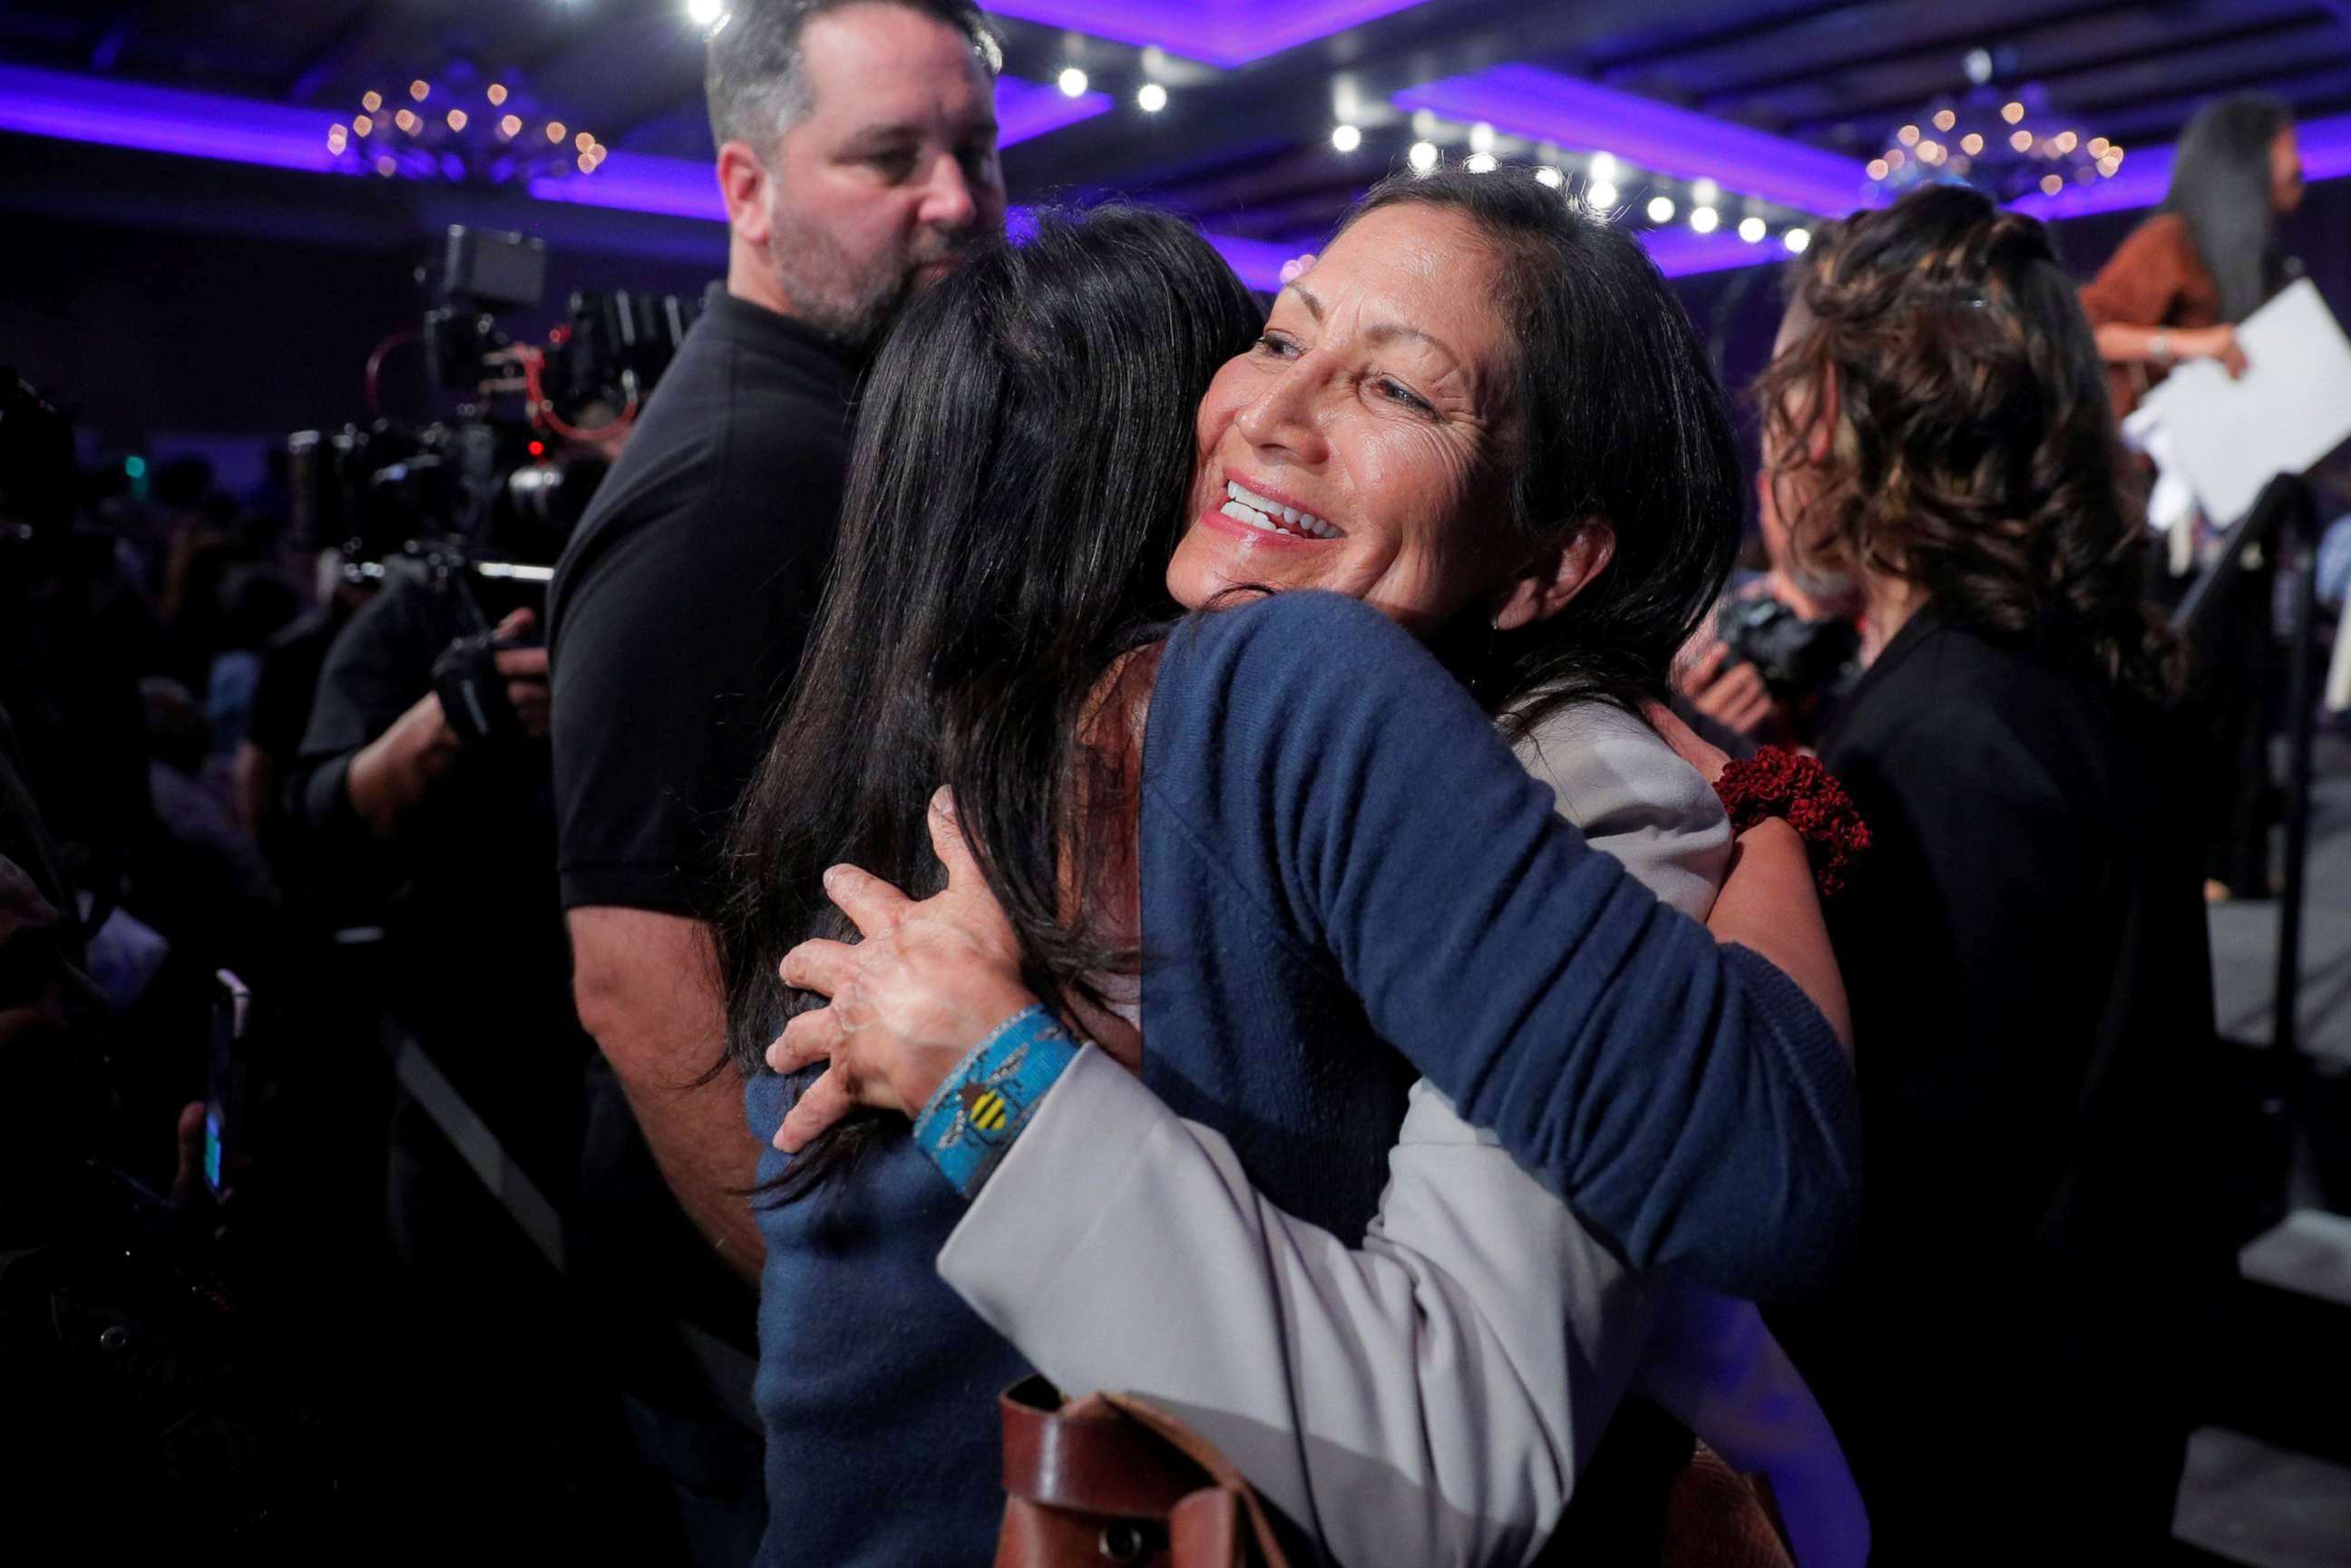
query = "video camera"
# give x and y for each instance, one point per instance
(495, 490)
(1796, 657)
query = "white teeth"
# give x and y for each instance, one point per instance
(1260, 513)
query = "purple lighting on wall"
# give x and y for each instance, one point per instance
(1221, 32)
(1525, 101)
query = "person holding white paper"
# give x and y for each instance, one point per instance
(2208, 257)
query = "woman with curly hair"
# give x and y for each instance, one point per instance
(2027, 958)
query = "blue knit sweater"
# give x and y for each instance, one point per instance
(1348, 879)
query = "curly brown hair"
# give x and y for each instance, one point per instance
(1973, 451)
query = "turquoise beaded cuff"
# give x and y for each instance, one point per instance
(969, 1122)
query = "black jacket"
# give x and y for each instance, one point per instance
(2027, 960)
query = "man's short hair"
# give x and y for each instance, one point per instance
(756, 80)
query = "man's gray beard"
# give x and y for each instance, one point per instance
(818, 279)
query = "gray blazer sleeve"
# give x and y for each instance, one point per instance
(1430, 1397)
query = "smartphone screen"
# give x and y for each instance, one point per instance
(225, 1095)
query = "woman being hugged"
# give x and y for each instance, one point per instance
(2027, 957)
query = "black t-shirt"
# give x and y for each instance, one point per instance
(674, 625)
(682, 602)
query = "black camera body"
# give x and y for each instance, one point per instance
(473, 692)
(506, 475)
(1796, 657)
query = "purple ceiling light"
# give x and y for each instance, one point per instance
(244, 130)
(161, 120)
(1026, 109)
(1544, 105)
(2146, 175)
(1221, 32)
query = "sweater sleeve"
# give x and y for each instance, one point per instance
(2138, 283)
(1687, 1101)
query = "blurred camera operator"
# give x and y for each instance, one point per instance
(857, 157)
(1770, 664)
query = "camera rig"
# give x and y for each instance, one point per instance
(494, 490)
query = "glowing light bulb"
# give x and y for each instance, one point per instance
(555, 130)
(2011, 111)
(498, 94)
(2051, 184)
(1970, 145)
(1907, 136)
(1603, 166)
(2022, 140)
(586, 163)
(1151, 98)
(1945, 120)
(407, 121)
(420, 90)
(1547, 175)
(1346, 138)
(1481, 137)
(371, 103)
(1704, 219)
(1879, 169)
(1751, 230)
(1705, 192)
(1422, 157)
(510, 125)
(2066, 140)
(1661, 209)
(1072, 82)
(363, 125)
(583, 141)
(1796, 240)
(702, 13)
(1600, 196)
(1481, 163)
(456, 120)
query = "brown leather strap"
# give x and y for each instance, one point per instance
(1222, 1472)
(1100, 1463)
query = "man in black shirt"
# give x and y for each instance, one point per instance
(857, 154)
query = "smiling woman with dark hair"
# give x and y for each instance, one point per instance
(1323, 865)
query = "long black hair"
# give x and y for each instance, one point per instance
(2221, 188)
(1622, 420)
(1023, 456)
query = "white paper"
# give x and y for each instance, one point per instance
(2290, 409)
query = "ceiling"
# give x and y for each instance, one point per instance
(1246, 146)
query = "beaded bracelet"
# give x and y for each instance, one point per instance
(969, 1122)
(1776, 783)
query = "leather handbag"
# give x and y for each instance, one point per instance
(1109, 1479)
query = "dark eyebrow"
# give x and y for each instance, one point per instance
(1385, 332)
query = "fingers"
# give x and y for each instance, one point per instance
(818, 966)
(522, 663)
(1706, 667)
(809, 1039)
(872, 906)
(820, 1105)
(947, 843)
(516, 624)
